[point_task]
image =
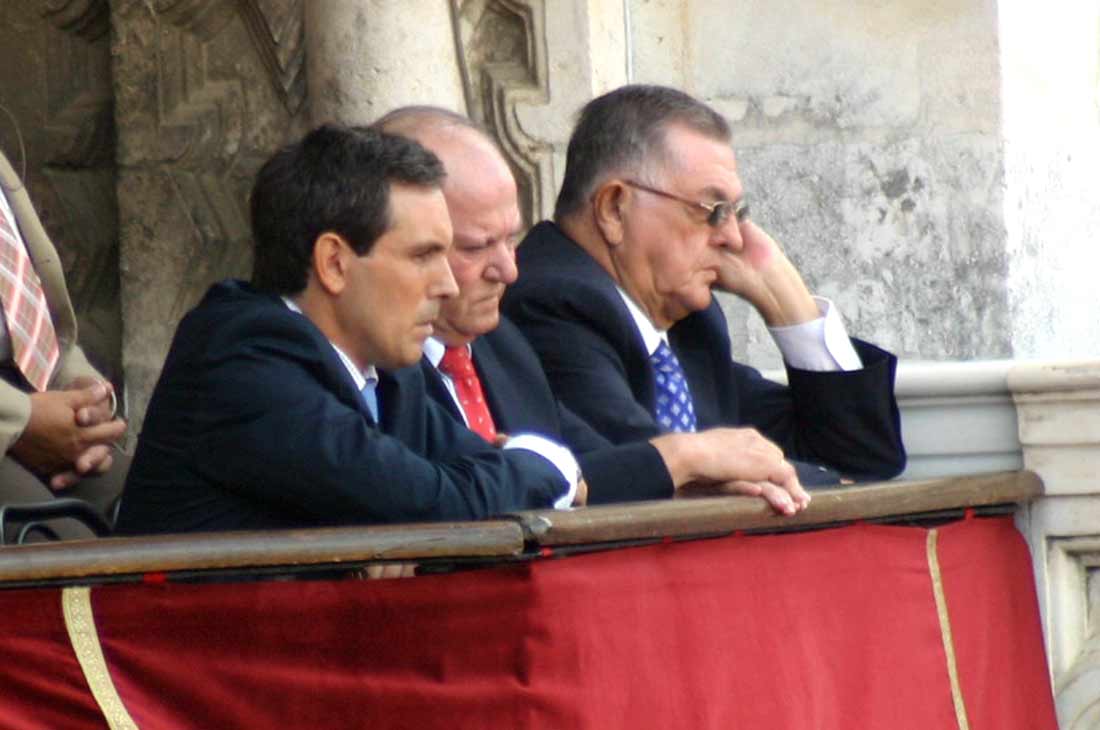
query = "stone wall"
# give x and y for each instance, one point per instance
(922, 162)
(57, 129)
(868, 140)
(1051, 125)
(205, 90)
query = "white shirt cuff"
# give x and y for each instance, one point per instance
(820, 345)
(561, 457)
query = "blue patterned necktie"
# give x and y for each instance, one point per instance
(675, 411)
(370, 397)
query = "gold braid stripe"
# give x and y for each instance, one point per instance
(945, 630)
(76, 605)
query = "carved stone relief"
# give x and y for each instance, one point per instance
(55, 83)
(503, 62)
(1077, 690)
(206, 90)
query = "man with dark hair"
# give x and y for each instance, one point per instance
(277, 405)
(474, 345)
(616, 297)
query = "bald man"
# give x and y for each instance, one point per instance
(482, 370)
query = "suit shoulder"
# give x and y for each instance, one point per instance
(233, 321)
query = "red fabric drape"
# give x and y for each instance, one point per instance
(830, 629)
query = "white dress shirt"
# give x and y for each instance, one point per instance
(820, 345)
(552, 451)
(362, 378)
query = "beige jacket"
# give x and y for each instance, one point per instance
(15, 405)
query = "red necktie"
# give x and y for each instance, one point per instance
(458, 364)
(33, 340)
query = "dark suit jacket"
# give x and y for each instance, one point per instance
(591, 351)
(255, 422)
(520, 400)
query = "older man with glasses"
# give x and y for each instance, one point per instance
(616, 297)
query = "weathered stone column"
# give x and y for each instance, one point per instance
(1059, 414)
(528, 66)
(365, 57)
(205, 90)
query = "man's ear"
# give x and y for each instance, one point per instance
(608, 205)
(331, 257)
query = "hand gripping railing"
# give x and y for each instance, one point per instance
(518, 536)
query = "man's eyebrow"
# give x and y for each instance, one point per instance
(718, 194)
(429, 246)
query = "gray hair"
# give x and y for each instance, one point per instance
(623, 131)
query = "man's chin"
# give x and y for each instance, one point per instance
(695, 301)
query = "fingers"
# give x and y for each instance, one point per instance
(581, 497)
(799, 494)
(104, 433)
(740, 454)
(377, 571)
(64, 480)
(94, 460)
(786, 499)
(779, 498)
(92, 415)
(89, 395)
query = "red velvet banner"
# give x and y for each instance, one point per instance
(831, 629)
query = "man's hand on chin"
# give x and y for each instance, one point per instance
(761, 274)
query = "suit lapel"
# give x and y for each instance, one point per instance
(496, 385)
(437, 391)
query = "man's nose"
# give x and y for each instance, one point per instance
(502, 268)
(728, 235)
(444, 284)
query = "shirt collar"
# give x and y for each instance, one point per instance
(651, 336)
(434, 350)
(360, 377)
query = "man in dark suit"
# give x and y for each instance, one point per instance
(283, 402)
(512, 393)
(616, 297)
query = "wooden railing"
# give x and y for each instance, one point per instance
(518, 536)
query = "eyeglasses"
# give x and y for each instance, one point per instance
(717, 213)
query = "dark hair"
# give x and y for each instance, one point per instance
(624, 129)
(335, 179)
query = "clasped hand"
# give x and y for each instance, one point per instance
(742, 461)
(70, 433)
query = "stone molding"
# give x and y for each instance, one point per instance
(89, 19)
(967, 417)
(973, 397)
(502, 59)
(277, 28)
(205, 91)
(1058, 406)
(1073, 563)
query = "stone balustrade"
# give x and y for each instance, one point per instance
(966, 418)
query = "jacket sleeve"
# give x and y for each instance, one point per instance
(266, 427)
(848, 420)
(586, 371)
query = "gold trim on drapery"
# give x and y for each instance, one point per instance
(945, 630)
(76, 605)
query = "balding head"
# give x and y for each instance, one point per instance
(483, 204)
